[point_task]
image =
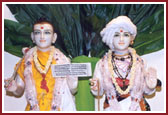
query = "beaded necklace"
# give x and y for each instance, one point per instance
(132, 72)
(116, 69)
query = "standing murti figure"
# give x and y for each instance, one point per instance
(34, 74)
(121, 73)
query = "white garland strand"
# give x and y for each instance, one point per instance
(37, 64)
(119, 90)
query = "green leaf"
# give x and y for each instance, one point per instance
(16, 36)
(151, 34)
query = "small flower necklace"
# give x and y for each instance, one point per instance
(132, 72)
(38, 66)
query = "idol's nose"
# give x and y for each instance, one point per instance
(42, 35)
(121, 38)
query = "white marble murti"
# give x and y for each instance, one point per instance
(157, 61)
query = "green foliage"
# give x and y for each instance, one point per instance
(150, 37)
(78, 26)
(16, 36)
(149, 20)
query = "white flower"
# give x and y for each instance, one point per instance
(37, 64)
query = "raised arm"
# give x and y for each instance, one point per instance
(150, 80)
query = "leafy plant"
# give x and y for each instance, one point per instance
(78, 26)
(16, 36)
(149, 20)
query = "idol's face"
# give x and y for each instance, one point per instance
(121, 40)
(43, 35)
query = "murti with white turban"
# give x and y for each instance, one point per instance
(114, 26)
(122, 78)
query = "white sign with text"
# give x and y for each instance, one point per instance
(73, 69)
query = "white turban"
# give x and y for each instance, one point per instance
(115, 25)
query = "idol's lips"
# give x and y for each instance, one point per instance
(121, 43)
(42, 40)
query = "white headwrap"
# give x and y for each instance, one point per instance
(114, 26)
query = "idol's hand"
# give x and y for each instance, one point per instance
(35, 108)
(72, 83)
(134, 106)
(94, 84)
(10, 85)
(151, 78)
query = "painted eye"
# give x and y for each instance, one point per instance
(126, 34)
(47, 32)
(116, 35)
(36, 32)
